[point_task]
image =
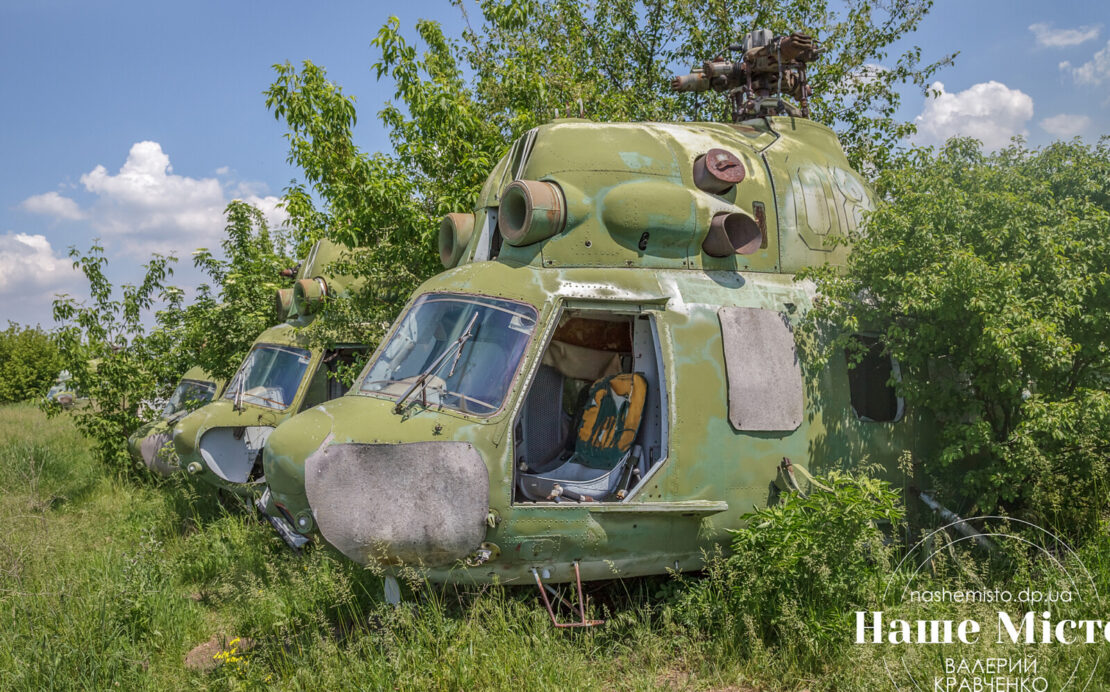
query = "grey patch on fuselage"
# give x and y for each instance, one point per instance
(764, 376)
(422, 503)
(231, 456)
(158, 457)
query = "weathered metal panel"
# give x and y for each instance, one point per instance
(231, 453)
(421, 504)
(764, 376)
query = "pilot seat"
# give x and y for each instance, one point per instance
(608, 428)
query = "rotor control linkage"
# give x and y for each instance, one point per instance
(769, 67)
(582, 621)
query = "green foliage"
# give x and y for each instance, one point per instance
(29, 363)
(122, 363)
(104, 581)
(112, 358)
(369, 199)
(613, 60)
(83, 583)
(987, 277)
(217, 329)
(461, 100)
(797, 569)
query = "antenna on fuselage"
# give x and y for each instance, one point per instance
(769, 67)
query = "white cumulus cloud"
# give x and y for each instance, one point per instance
(1049, 36)
(53, 204)
(1094, 71)
(151, 209)
(29, 261)
(990, 112)
(1066, 126)
(268, 205)
(145, 207)
(30, 274)
(141, 208)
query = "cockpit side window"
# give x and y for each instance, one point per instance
(327, 382)
(190, 394)
(489, 236)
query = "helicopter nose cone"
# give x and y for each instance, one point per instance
(157, 452)
(185, 433)
(422, 503)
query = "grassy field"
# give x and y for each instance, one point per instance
(109, 583)
(105, 582)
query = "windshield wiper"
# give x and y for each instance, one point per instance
(237, 400)
(240, 386)
(423, 379)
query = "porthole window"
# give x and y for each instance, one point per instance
(869, 379)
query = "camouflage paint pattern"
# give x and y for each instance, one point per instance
(222, 413)
(149, 445)
(622, 181)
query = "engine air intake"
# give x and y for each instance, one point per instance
(454, 235)
(717, 170)
(309, 294)
(531, 211)
(283, 303)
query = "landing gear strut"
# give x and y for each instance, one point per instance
(582, 621)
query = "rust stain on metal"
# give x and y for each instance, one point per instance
(601, 335)
(760, 214)
(732, 234)
(717, 170)
(582, 621)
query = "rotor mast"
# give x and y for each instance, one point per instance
(769, 68)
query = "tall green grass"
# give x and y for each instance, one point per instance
(106, 583)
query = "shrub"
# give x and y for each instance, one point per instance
(120, 361)
(29, 362)
(797, 571)
(988, 277)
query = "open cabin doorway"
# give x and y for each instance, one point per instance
(593, 426)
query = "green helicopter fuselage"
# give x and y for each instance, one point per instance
(150, 444)
(283, 373)
(610, 377)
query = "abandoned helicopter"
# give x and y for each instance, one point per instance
(67, 392)
(221, 443)
(150, 444)
(605, 378)
(61, 392)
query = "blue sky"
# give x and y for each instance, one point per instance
(136, 122)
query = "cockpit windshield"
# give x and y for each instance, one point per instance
(270, 376)
(189, 395)
(466, 347)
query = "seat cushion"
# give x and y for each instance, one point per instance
(610, 420)
(577, 481)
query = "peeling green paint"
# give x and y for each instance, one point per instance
(632, 244)
(222, 413)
